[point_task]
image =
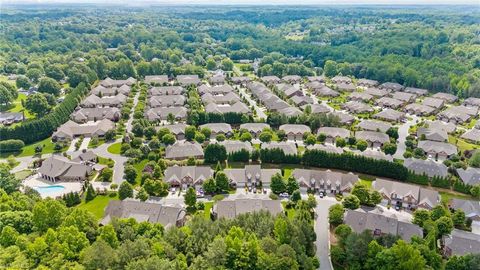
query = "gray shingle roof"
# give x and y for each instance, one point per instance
(184, 150)
(335, 132)
(235, 146)
(469, 207)
(470, 175)
(287, 148)
(432, 134)
(58, 166)
(462, 242)
(231, 207)
(192, 175)
(373, 125)
(295, 128)
(428, 167)
(438, 147)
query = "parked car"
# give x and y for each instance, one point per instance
(284, 195)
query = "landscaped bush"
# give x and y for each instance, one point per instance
(11, 146)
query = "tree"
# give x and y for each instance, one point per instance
(292, 185)
(34, 74)
(246, 137)
(444, 225)
(296, 196)
(190, 133)
(8, 236)
(54, 72)
(137, 130)
(108, 234)
(130, 173)
(375, 197)
(199, 137)
(222, 182)
(277, 185)
(221, 137)
(402, 256)
(209, 186)
(340, 142)
(362, 145)
(475, 159)
(100, 255)
(142, 195)
(310, 140)
(110, 135)
(149, 132)
(475, 191)
(389, 148)
(125, 191)
(335, 214)
(211, 64)
(351, 202)
(420, 216)
(47, 214)
(37, 104)
(49, 85)
(6, 97)
(227, 64)
(438, 212)
(393, 133)
(168, 139)
(215, 153)
(8, 182)
(190, 197)
(23, 82)
(458, 218)
(322, 137)
(330, 68)
(362, 192)
(90, 194)
(265, 136)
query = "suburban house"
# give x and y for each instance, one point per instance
(238, 107)
(270, 80)
(166, 91)
(301, 100)
(455, 115)
(287, 148)
(427, 167)
(341, 79)
(472, 135)
(325, 181)
(86, 157)
(387, 102)
(317, 108)
(215, 90)
(360, 96)
(240, 80)
(255, 128)
(404, 96)
(70, 129)
(374, 125)
(184, 150)
(432, 134)
(472, 101)
(374, 139)
(187, 176)
(166, 101)
(367, 83)
(406, 195)
(93, 101)
(322, 90)
(186, 80)
(83, 115)
(176, 129)
(108, 82)
(153, 212)
(251, 175)
(230, 208)
(376, 92)
(316, 78)
(217, 129)
(295, 132)
(156, 79)
(329, 148)
(357, 107)
(375, 154)
(416, 91)
(391, 86)
(59, 168)
(446, 96)
(436, 103)
(469, 176)
(379, 223)
(438, 150)
(289, 90)
(345, 87)
(228, 98)
(236, 146)
(390, 115)
(293, 79)
(470, 208)
(345, 118)
(333, 133)
(461, 243)
(217, 80)
(8, 118)
(448, 127)
(162, 113)
(103, 91)
(419, 109)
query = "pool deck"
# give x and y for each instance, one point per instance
(35, 181)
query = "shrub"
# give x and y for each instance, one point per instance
(12, 145)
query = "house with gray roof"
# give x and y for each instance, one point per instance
(325, 181)
(469, 207)
(102, 91)
(345, 87)
(94, 101)
(333, 133)
(187, 176)
(322, 90)
(341, 79)
(153, 212)
(166, 101)
(438, 150)
(293, 79)
(416, 91)
(176, 129)
(461, 243)
(316, 78)
(186, 80)
(162, 113)
(374, 125)
(469, 176)
(386, 102)
(232, 146)
(295, 132)
(374, 154)
(238, 107)
(85, 157)
(59, 168)
(108, 82)
(376, 92)
(427, 167)
(448, 127)
(357, 107)
(446, 96)
(419, 109)
(250, 176)
(230, 208)
(290, 111)
(391, 86)
(472, 101)
(287, 148)
(404, 96)
(317, 108)
(472, 135)
(379, 223)
(270, 80)
(184, 150)
(255, 128)
(215, 90)
(83, 115)
(406, 195)
(70, 129)
(367, 83)
(373, 138)
(243, 80)
(390, 115)
(360, 96)
(156, 79)
(344, 118)
(217, 129)
(8, 118)
(227, 99)
(432, 134)
(436, 103)
(329, 148)
(456, 115)
(217, 80)
(301, 100)
(166, 91)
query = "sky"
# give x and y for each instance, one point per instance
(256, 2)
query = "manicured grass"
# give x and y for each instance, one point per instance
(21, 175)
(206, 211)
(106, 161)
(97, 205)
(91, 145)
(115, 148)
(29, 150)
(368, 183)
(139, 168)
(17, 106)
(447, 196)
(461, 144)
(290, 211)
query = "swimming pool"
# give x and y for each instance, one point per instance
(49, 190)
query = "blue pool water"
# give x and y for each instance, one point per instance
(46, 190)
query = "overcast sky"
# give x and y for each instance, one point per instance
(257, 2)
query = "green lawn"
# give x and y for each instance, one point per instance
(115, 148)
(91, 145)
(97, 205)
(368, 183)
(17, 106)
(290, 212)
(447, 196)
(139, 168)
(106, 161)
(21, 175)
(29, 150)
(461, 144)
(206, 211)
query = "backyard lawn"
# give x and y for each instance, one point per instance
(17, 106)
(461, 144)
(115, 148)
(97, 205)
(21, 175)
(206, 211)
(29, 150)
(447, 196)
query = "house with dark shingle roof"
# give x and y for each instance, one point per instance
(255, 128)
(217, 80)
(357, 107)
(436, 103)
(373, 138)
(240, 80)
(186, 80)
(184, 150)
(469, 176)
(345, 118)
(333, 133)
(416, 91)
(293, 79)
(438, 150)
(345, 87)
(232, 146)
(166, 101)
(59, 168)
(317, 108)
(70, 129)
(270, 79)
(360, 96)
(367, 83)
(230, 208)
(404, 96)
(287, 148)
(341, 79)
(391, 86)
(419, 109)
(329, 148)
(376, 92)
(426, 167)
(83, 115)
(295, 131)
(176, 129)
(374, 125)
(446, 96)
(250, 175)
(432, 134)
(472, 135)
(166, 91)
(156, 79)
(469, 207)
(472, 101)
(461, 243)
(316, 78)
(186, 176)
(217, 129)
(386, 102)
(406, 195)
(325, 181)
(162, 113)
(390, 115)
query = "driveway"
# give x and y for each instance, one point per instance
(402, 136)
(260, 113)
(322, 230)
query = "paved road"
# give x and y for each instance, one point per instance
(402, 136)
(260, 113)
(118, 168)
(322, 232)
